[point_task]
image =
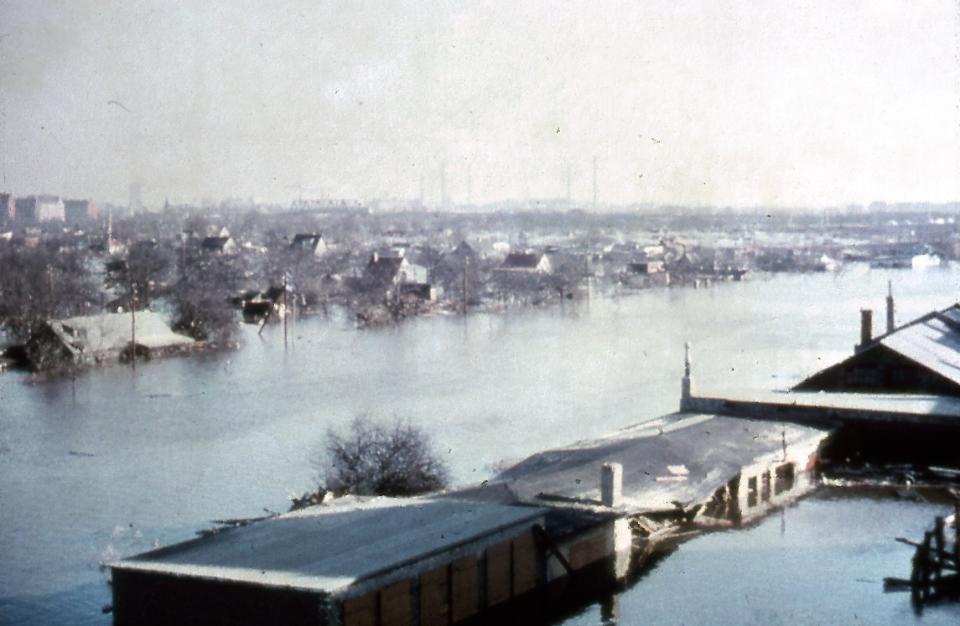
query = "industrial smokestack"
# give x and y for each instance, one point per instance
(890, 322)
(866, 327)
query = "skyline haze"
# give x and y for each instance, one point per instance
(734, 103)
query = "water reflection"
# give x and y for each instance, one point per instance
(821, 561)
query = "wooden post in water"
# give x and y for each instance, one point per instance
(925, 566)
(956, 534)
(939, 544)
(466, 264)
(133, 325)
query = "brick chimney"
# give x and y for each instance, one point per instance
(890, 322)
(866, 328)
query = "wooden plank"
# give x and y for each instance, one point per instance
(396, 604)
(498, 573)
(362, 610)
(434, 598)
(524, 563)
(465, 588)
(588, 550)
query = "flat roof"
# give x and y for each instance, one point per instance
(920, 405)
(682, 457)
(326, 548)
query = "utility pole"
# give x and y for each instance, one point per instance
(133, 325)
(466, 264)
(109, 228)
(286, 311)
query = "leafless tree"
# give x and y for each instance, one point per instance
(39, 284)
(378, 459)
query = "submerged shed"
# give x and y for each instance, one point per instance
(380, 561)
(94, 339)
(678, 460)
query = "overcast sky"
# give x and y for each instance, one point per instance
(718, 103)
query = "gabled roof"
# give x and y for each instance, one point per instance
(112, 331)
(306, 240)
(521, 260)
(463, 249)
(214, 243)
(383, 268)
(932, 341)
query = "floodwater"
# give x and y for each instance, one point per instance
(118, 460)
(821, 562)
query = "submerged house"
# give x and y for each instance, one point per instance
(94, 339)
(313, 243)
(223, 244)
(526, 263)
(385, 272)
(260, 305)
(920, 357)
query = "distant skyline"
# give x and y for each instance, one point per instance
(760, 103)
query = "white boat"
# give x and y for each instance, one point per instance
(923, 261)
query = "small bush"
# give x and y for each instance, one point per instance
(377, 459)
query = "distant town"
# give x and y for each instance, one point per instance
(96, 284)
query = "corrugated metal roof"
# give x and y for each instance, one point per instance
(327, 548)
(932, 341)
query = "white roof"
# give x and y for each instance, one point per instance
(679, 457)
(933, 342)
(112, 331)
(329, 547)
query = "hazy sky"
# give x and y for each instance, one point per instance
(720, 103)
